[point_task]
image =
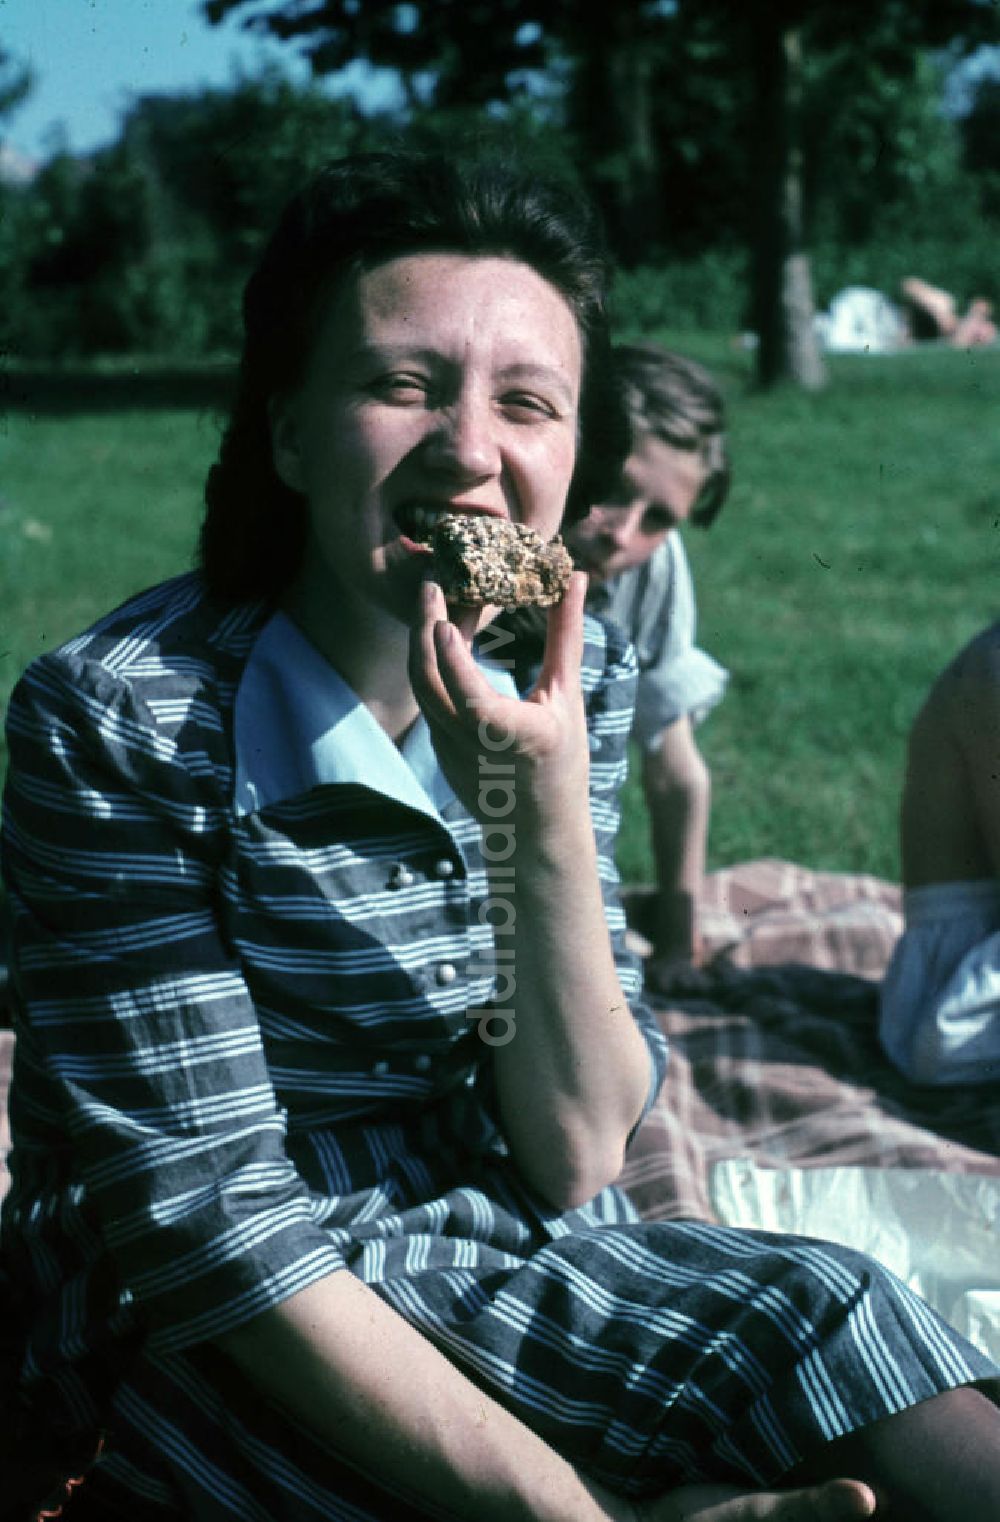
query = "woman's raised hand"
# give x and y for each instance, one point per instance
(539, 744)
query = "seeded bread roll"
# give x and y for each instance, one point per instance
(481, 560)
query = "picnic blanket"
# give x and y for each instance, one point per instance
(780, 1109)
(774, 1052)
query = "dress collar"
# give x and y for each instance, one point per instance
(299, 725)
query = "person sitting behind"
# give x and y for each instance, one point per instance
(677, 471)
(939, 1019)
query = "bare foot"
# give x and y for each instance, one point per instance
(835, 1501)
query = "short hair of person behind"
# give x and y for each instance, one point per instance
(677, 400)
(353, 215)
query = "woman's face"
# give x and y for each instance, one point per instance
(437, 383)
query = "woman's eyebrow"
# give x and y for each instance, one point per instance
(527, 373)
(519, 372)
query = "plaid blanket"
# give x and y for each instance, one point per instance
(774, 1055)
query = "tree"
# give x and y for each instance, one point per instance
(613, 60)
(981, 129)
(16, 83)
(143, 246)
(222, 160)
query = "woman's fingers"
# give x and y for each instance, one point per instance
(465, 620)
(456, 697)
(564, 639)
(447, 683)
(465, 685)
(835, 1501)
(425, 678)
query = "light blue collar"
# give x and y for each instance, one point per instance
(298, 724)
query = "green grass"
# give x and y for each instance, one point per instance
(95, 505)
(858, 551)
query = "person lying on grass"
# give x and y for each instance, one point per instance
(328, 1043)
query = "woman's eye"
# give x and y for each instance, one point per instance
(525, 404)
(401, 388)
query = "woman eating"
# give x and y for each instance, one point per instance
(328, 1044)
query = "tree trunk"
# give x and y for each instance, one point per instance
(614, 97)
(788, 347)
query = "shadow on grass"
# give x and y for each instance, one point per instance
(68, 389)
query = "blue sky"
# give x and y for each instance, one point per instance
(91, 56)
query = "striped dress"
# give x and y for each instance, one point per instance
(247, 951)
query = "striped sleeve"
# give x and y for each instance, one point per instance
(609, 681)
(136, 1032)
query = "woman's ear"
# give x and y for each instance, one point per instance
(285, 447)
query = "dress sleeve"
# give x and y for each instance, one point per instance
(676, 678)
(610, 696)
(142, 1078)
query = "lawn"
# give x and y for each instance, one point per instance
(859, 549)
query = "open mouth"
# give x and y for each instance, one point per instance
(418, 520)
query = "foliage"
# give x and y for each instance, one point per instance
(145, 245)
(705, 294)
(15, 86)
(16, 82)
(878, 146)
(658, 98)
(684, 116)
(981, 129)
(647, 106)
(223, 160)
(980, 134)
(518, 130)
(473, 53)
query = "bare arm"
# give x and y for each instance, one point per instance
(950, 817)
(574, 1073)
(348, 1368)
(678, 793)
(572, 1081)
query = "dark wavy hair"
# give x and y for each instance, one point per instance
(356, 213)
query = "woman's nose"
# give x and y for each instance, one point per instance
(465, 439)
